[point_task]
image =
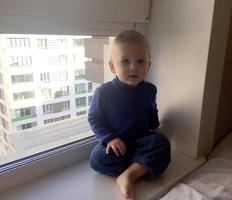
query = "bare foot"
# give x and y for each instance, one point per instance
(126, 187)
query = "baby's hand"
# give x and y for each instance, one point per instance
(118, 147)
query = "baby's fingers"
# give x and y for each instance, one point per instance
(108, 148)
(122, 148)
(115, 150)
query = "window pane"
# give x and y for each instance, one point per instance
(46, 82)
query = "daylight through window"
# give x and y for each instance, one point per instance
(46, 80)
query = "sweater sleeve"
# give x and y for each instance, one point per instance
(97, 120)
(154, 118)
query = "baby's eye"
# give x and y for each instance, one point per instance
(141, 61)
(125, 61)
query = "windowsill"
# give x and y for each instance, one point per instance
(78, 181)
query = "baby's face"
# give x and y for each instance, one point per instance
(130, 62)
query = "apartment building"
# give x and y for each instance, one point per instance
(42, 81)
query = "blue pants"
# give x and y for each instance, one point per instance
(152, 151)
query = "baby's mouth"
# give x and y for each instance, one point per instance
(133, 76)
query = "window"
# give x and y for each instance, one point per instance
(20, 96)
(81, 20)
(80, 88)
(54, 76)
(42, 43)
(18, 42)
(62, 42)
(47, 121)
(78, 42)
(20, 61)
(47, 86)
(56, 107)
(81, 102)
(22, 78)
(23, 113)
(90, 87)
(57, 60)
(81, 113)
(45, 77)
(26, 126)
(51, 93)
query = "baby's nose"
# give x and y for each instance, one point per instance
(132, 66)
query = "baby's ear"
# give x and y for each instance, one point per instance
(111, 65)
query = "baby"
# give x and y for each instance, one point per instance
(123, 115)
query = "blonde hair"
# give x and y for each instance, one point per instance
(131, 36)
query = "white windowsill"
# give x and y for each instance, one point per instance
(78, 181)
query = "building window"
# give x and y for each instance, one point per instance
(20, 61)
(80, 88)
(57, 60)
(24, 113)
(81, 113)
(47, 109)
(80, 102)
(45, 77)
(18, 42)
(63, 59)
(42, 43)
(26, 126)
(47, 121)
(63, 76)
(46, 91)
(53, 77)
(90, 86)
(52, 93)
(19, 96)
(62, 42)
(22, 78)
(56, 107)
(78, 43)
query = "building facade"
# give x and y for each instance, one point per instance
(42, 81)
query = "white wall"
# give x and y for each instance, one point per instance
(179, 35)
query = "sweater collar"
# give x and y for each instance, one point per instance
(128, 87)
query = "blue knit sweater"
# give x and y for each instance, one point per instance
(121, 111)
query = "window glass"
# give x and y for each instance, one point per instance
(46, 80)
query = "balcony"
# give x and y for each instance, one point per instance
(80, 77)
(20, 118)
